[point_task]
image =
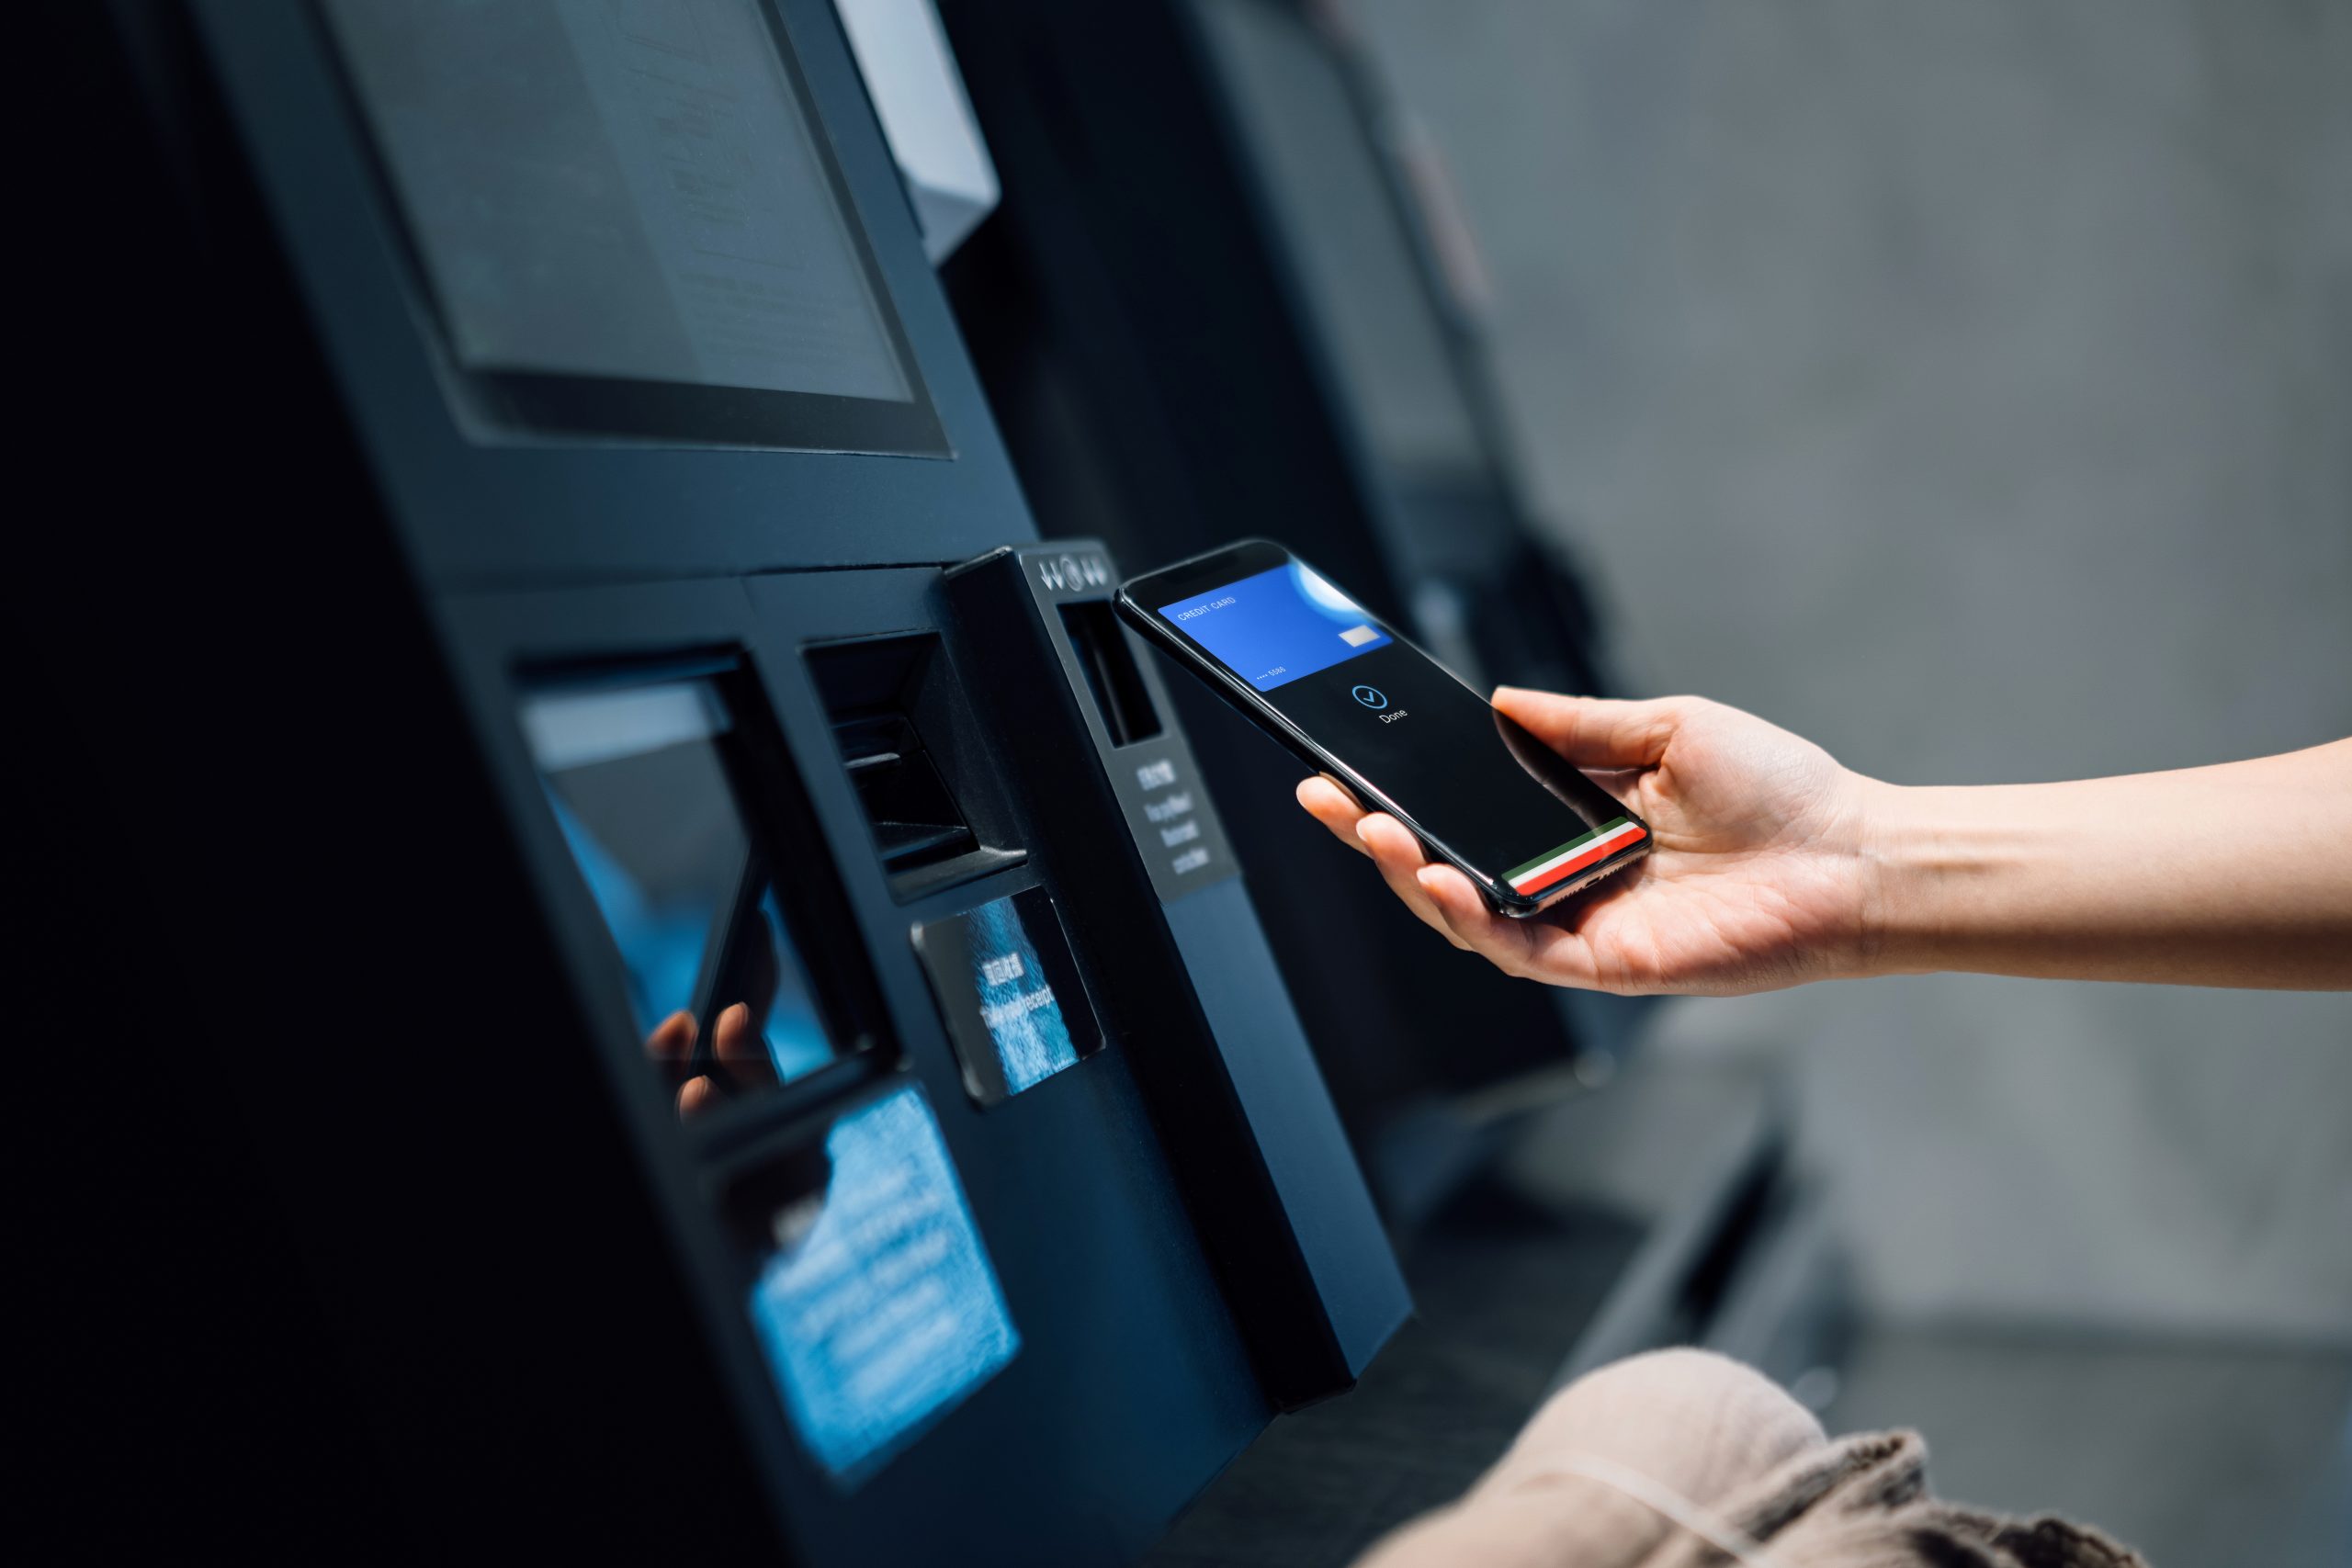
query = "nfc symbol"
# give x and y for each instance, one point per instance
(1371, 696)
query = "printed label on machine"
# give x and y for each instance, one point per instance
(1010, 994)
(879, 1311)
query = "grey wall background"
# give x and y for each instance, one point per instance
(1966, 384)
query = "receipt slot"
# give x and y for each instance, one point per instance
(1209, 1028)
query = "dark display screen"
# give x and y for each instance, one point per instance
(1471, 779)
(643, 785)
(1336, 211)
(621, 191)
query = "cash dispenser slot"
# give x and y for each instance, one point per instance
(914, 818)
(907, 739)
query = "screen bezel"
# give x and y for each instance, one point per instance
(497, 406)
(286, 178)
(1139, 599)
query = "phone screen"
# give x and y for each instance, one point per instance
(1473, 781)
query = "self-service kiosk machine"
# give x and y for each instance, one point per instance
(1210, 308)
(722, 971)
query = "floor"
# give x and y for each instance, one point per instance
(2205, 1456)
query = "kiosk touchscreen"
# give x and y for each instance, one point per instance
(622, 211)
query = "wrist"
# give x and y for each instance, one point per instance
(1904, 856)
(1948, 870)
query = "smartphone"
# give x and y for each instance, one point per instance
(1352, 698)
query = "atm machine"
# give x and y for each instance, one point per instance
(691, 1000)
(1210, 308)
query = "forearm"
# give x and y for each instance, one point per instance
(2232, 875)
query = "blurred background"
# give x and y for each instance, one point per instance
(1969, 387)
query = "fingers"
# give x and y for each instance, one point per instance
(1443, 899)
(739, 1047)
(1596, 732)
(733, 1041)
(1397, 854)
(1328, 803)
(731, 1036)
(671, 1048)
(673, 1040)
(1462, 913)
(1623, 785)
(1534, 950)
(1388, 842)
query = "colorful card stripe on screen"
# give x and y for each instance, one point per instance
(1555, 866)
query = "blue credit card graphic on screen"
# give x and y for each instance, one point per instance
(1331, 680)
(1276, 627)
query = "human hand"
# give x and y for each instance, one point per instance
(1758, 874)
(735, 1043)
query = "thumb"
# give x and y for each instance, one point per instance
(1594, 732)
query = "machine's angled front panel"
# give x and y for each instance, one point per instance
(956, 1319)
(1133, 1387)
(519, 444)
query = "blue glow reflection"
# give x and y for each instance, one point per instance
(1017, 1003)
(661, 943)
(885, 1313)
(639, 782)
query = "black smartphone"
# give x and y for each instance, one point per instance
(1352, 698)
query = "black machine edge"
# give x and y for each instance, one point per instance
(1252, 1139)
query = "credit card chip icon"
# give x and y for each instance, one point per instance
(1356, 637)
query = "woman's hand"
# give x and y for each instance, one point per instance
(1758, 874)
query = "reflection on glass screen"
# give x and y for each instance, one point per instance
(879, 1311)
(625, 189)
(640, 782)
